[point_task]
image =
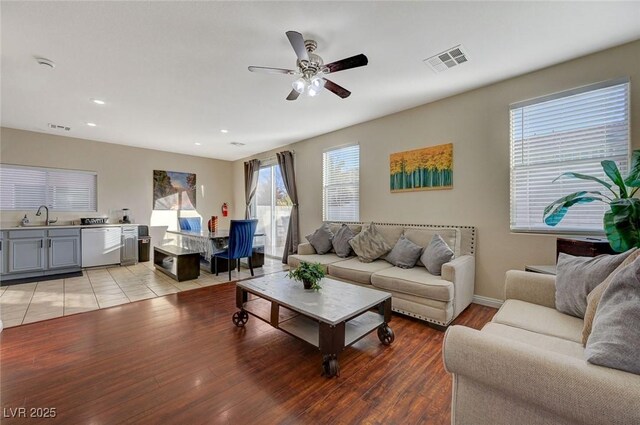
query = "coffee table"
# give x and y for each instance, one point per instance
(331, 319)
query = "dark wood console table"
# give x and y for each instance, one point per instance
(178, 263)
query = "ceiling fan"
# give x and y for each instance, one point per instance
(311, 69)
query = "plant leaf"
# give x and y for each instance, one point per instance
(555, 212)
(622, 224)
(611, 170)
(633, 179)
(584, 177)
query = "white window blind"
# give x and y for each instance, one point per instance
(26, 188)
(568, 131)
(341, 184)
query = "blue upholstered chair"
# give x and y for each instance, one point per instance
(190, 224)
(241, 235)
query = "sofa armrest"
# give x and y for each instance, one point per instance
(306, 249)
(462, 272)
(563, 385)
(536, 288)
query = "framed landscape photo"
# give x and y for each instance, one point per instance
(174, 190)
(428, 168)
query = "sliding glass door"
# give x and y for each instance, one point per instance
(272, 208)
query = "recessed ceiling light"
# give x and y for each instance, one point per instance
(98, 101)
(197, 143)
(224, 131)
(238, 144)
(91, 124)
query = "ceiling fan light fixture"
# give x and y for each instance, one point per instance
(300, 85)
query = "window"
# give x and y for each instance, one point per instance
(341, 184)
(26, 188)
(569, 131)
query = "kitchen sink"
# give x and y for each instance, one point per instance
(41, 225)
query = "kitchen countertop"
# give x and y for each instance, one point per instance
(62, 226)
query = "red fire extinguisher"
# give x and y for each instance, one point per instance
(225, 209)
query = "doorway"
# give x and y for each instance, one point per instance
(272, 208)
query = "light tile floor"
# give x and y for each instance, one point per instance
(101, 288)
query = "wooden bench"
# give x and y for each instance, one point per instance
(178, 263)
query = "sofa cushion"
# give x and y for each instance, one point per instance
(369, 244)
(390, 233)
(321, 239)
(435, 255)
(357, 271)
(341, 240)
(356, 228)
(404, 254)
(546, 342)
(578, 276)
(593, 299)
(416, 281)
(615, 339)
(422, 237)
(539, 319)
(324, 259)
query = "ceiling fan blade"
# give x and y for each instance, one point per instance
(297, 42)
(267, 70)
(339, 90)
(293, 95)
(348, 63)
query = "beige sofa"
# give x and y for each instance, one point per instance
(416, 292)
(527, 367)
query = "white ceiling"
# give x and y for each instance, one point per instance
(175, 73)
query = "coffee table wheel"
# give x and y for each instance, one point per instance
(330, 366)
(240, 318)
(385, 334)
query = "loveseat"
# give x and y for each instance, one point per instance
(527, 366)
(415, 291)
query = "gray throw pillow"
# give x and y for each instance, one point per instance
(404, 254)
(577, 276)
(321, 239)
(615, 339)
(369, 244)
(341, 240)
(436, 254)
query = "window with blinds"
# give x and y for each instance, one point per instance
(26, 188)
(341, 184)
(569, 131)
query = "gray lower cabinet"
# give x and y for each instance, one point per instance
(64, 252)
(2, 254)
(26, 255)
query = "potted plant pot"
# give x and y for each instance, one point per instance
(307, 284)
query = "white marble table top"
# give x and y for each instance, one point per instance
(334, 303)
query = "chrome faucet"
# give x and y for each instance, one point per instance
(39, 213)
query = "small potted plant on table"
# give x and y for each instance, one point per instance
(309, 274)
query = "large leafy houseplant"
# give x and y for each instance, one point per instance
(622, 220)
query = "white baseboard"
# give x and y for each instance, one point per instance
(489, 302)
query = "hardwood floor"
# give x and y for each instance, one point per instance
(179, 359)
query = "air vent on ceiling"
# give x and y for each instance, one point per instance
(238, 143)
(447, 59)
(58, 127)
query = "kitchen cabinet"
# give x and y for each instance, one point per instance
(2, 254)
(63, 249)
(26, 255)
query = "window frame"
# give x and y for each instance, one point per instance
(49, 187)
(324, 186)
(560, 229)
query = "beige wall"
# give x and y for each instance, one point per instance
(477, 123)
(125, 175)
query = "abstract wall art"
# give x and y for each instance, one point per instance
(173, 190)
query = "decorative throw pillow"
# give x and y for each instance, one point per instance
(321, 239)
(593, 299)
(404, 254)
(369, 244)
(615, 338)
(436, 254)
(341, 240)
(577, 276)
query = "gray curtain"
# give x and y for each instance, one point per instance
(251, 171)
(285, 160)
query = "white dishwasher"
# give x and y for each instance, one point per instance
(101, 246)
